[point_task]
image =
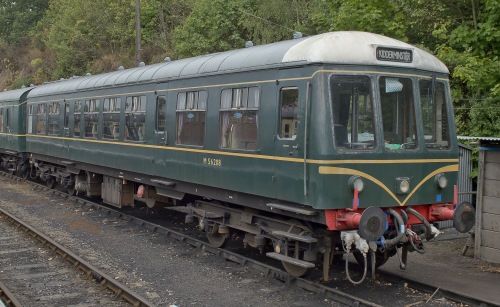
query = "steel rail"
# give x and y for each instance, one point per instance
(440, 292)
(104, 279)
(7, 298)
(270, 271)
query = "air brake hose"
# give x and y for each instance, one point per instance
(428, 231)
(347, 269)
(399, 225)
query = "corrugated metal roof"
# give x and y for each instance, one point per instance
(334, 47)
(478, 138)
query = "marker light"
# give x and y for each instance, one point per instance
(441, 181)
(402, 185)
(355, 182)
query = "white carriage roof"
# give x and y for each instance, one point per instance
(14, 95)
(345, 47)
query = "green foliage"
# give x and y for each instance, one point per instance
(78, 33)
(378, 16)
(42, 40)
(18, 17)
(471, 50)
(212, 26)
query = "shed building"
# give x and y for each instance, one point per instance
(487, 239)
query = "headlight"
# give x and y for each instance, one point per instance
(402, 185)
(355, 182)
(441, 181)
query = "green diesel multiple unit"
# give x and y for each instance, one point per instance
(296, 143)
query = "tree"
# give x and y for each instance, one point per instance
(212, 26)
(472, 51)
(18, 17)
(87, 37)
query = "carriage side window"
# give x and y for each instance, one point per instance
(398, 113)
(288, 112)
(135, 118)
(91, 118)
(30, 119)
(161, 108)
(353, 119)
(7, 121)
(41, 119)
(1, 121)
(66, 115)
(111, 118)
(190, 118)
(54, 118)
(77, 118)
(434, 115)
(239, 108)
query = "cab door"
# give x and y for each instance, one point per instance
(289, 142)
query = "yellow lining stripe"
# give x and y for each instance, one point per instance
(328, 170)
(245, 155)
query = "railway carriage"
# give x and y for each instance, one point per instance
(12, 131)
(309, 146)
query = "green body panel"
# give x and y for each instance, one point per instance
(13, 136)
(285, 170)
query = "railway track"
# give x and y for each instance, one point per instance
(35, 268)
(268, 270)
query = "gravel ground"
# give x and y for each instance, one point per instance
(162, 270)
(172, 273)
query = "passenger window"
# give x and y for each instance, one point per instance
(239, 108)
(288, 112)
(353, 119)
(434, 115)
(161, 109)
(54, 118)
(1, 120)
(77, 118)
(66, 115)
(91, 118)
(190, 118)
(135, 118)
(7, 120)
(111, 118)
(41, 119)
(398, 113)
(30, 119)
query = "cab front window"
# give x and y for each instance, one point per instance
(353, 120)
(398, 113)
(434, 115)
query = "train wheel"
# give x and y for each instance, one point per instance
(217, 239)
(51, 183)
(26, 173)
(292, 269)
(380, 258)
(71, 190)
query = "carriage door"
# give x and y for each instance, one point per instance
(289, 140)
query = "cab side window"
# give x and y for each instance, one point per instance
(289, 97)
